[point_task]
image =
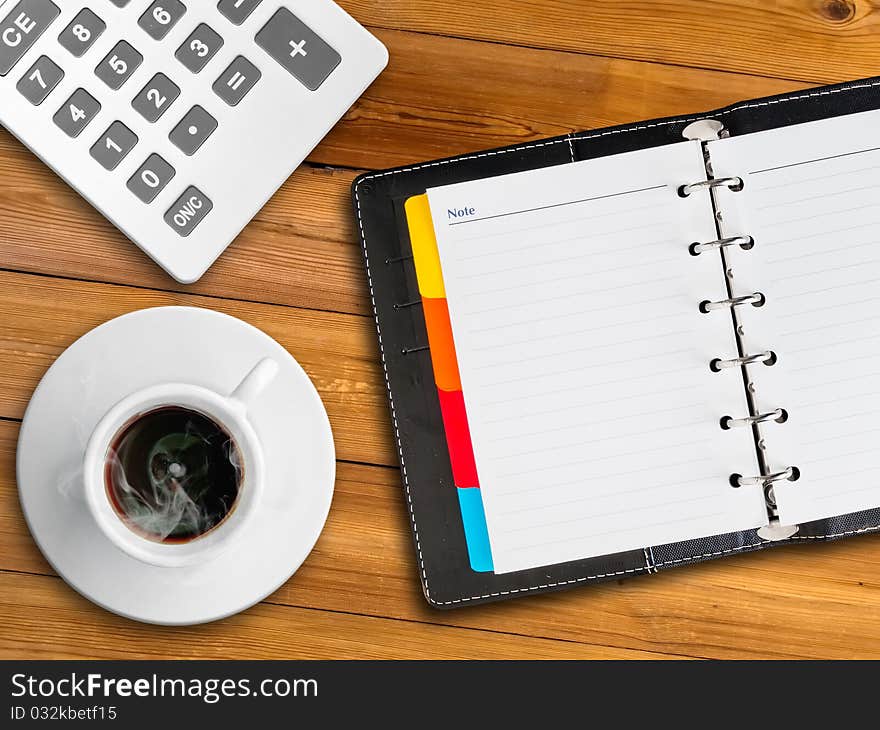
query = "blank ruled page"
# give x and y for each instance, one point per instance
(812, 202)
(584, 359)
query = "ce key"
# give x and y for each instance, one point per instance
(22, 28)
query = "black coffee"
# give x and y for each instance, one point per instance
(173, 474)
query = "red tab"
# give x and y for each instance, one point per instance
(458, 439)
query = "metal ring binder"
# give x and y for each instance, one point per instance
(412, 350)
(734, 183)
(746, 242)
(768, 357)
(790, 474)
(397, 260)
(756, 299)
(706, 130)
(780, 415)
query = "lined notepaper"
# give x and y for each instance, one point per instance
(584, 360)
(812, 202)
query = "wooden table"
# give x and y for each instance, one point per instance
(463, 76)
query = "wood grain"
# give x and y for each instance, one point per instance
(810, 40)
(42, 618)
(462, 77)
(42, 316)
(299, 251)
(792, 603)
(445, 96)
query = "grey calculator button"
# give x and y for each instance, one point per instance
(188, 211)
(238, 11)
(193, 130)
(120, 3)
(77, 113)
(199, 48)
(114, 145)
(161, 17)
(21, 28)
(156, 97)
(82, 32)
(151, 178)
(236, 81)
(299, 49)
(39, 80)
(119, 65)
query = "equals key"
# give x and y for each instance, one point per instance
(236, 81)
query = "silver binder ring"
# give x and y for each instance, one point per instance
(780, 415)
(768, 358)
(757, 299)
(734, 183)
(745, 242)
(791, 474)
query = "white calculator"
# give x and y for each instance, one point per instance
(179, 119)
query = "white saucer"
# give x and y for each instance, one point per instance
(187, 345)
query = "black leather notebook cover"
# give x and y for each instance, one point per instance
(379, 198)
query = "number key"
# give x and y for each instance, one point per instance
(114, 145)
(161, 17)
(82, 32)
(39, 81)
(77, 112)
(156, 97)
(199, 48)
(119, 65)
(151, 178)
(238, 11)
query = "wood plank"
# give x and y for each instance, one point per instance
(817, 40)
(42, 316)
(822, 600)
(446, 96)
(42, 618)
(299, 250)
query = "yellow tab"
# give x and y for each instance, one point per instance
(424, 246)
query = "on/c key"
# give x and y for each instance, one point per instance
(22, 28)
(188, 211)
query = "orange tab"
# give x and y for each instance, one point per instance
(442, 347)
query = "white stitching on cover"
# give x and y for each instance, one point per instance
(569, 140)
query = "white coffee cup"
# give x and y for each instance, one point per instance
(229, 411)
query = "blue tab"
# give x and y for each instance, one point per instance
(475, 531)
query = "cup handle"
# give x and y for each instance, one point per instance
(254, 382)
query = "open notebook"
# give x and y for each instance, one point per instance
(658, 346)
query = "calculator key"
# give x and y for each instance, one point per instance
(82, 32)
(299, 49)
(161, 17)
(119, 65)
(21, 28)
(236, 81)
(188, 211)
(77, 113)
(199, 48)
(156, 97)
(120, 3)
(238, 11)
(39, 81)
(114, 145)
(193, 131)
(151, 178)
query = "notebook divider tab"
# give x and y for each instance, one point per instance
(708, 130)
(448, 382)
